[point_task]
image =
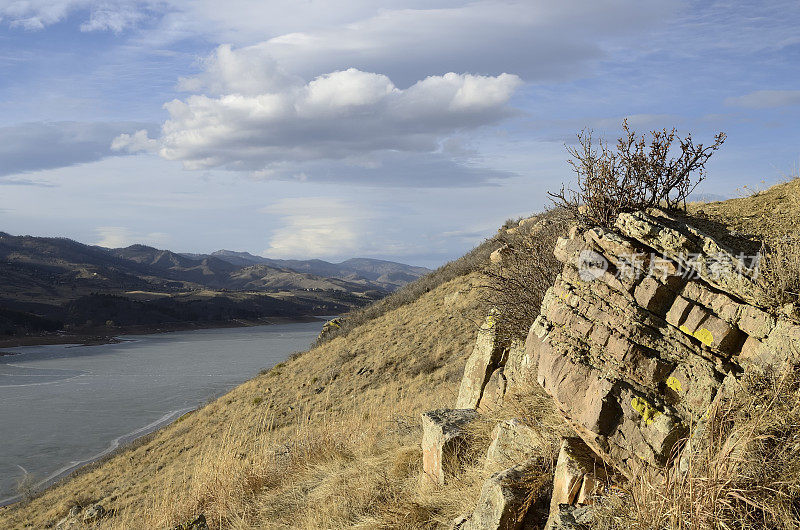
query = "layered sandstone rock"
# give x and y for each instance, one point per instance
(646, 327)
(641, 329)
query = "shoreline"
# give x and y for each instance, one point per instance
(98, 338)
(121, 443)
(140, 435)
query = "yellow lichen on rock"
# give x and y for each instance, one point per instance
(704, 336)
(674, 384)
(645, 409)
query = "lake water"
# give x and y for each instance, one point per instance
(63, 406)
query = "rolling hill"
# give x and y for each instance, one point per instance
(48, 284)
(387, 275)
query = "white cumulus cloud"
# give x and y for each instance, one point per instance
(134, 143)
(254, 117)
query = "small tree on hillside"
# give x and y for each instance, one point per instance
(639, 174)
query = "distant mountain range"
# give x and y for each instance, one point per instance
(54, 283)
(385, 274)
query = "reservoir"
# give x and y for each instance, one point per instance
(64, 406)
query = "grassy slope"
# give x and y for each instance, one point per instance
(330, 439)
(342, 416)
(770, 213)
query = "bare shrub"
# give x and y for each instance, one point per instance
(779, 271)
(746, 475)
(639, 174)
(517, 284)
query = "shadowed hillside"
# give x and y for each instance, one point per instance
(49, 284)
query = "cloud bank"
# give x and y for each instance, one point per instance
(319, 226)
(121, 236)
(346, 124)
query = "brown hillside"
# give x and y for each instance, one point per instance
(770, 213)
(281, 447)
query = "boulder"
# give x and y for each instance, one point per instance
(442, 439)
(501, 502)
(579, 475)
(485, 359)
(93, 513)
(512, 442)
(498, 255)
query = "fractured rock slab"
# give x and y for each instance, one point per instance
(442, 438)
(512, 442)
(579, 475)
(494, 391)
(501, 502)
(485, 359)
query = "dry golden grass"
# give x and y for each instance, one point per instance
(780, 271)
(332, 443)
(746, 476)
(771, 213)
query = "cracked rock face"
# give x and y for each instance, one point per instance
(501, 502)
(481, 364)
(512, 442)
(640, 330)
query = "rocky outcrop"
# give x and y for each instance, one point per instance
(646, 326)
(486, 357)
(442, 438)
(641, 329)
(330, 327)
(79, 517)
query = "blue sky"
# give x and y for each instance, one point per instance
(405, 129)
